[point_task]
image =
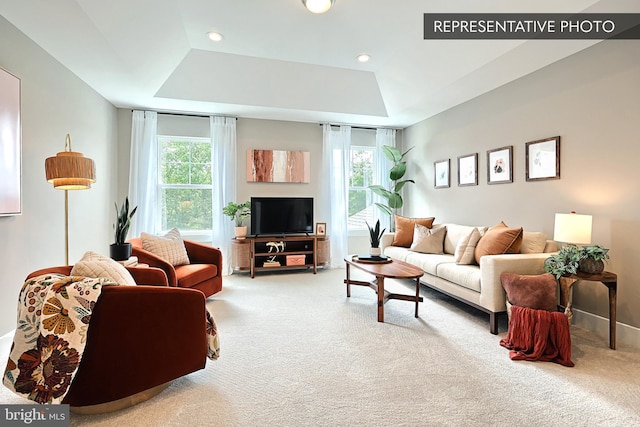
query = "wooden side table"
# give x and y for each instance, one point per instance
(610, 280)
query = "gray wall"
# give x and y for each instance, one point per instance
(592, 100)
(54, 102)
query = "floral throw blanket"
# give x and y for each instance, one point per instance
(53, 319)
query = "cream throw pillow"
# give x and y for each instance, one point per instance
(466, 248)
(533, 242)
(428, 240)
(95, 265)
(169, 247)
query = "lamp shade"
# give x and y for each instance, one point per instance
(70, 170)
(572, 228)
(318, 6)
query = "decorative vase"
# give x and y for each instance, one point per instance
(241, 232)
(591, 266)
(120, 252)
(375, 251)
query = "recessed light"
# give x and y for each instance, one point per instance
(215, 36)
(364, 57)
(318, 6)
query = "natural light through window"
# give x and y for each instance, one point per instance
(185, 183)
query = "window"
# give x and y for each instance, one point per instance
(362, 159)
(185, 183)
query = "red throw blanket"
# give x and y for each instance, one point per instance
(538, 335)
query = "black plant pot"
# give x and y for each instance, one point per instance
(120, 252)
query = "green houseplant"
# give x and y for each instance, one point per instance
(571, 258)
(374, 238)
(392, 194)
(593, 258)
(120, 250)
(238, 213)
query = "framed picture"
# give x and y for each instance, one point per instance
(500, 165)
(11, 145)
(468, 170)
(441, 179)
(321, 228)
(543, 159)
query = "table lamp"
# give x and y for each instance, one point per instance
(572, 228)
(69, 170)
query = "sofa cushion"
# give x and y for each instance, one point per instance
(532, 291)
(455, 232)
(467, 276)
(499, 239)
(533, 242)
(169, 247)
(93, 264)
(404, 229)
(428, 240)
(429, 263)
(189, 275)
(466, 248)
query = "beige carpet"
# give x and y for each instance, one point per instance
(296, 351)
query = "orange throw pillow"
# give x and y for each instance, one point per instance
(404, 229)
(498, 240)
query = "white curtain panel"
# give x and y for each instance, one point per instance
(224, 166)
(143, 173)
(381, 174)
(335, 151)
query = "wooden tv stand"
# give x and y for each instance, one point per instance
(252, 253)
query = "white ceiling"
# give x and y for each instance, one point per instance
(279, 61)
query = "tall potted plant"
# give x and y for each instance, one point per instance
(392, 194)
(238, 213)
(120, 250)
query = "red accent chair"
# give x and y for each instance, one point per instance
(204, 272)
(140, 338)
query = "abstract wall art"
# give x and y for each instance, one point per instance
(278, 166)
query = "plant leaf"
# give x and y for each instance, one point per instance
(392, 153)
(384, 208)
(398, 171)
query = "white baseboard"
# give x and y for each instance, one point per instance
(625, 335)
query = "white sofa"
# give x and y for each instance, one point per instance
(477, 285)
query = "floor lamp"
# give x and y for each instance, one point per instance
(69, 170)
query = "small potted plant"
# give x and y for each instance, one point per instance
(374, 238)
(593, 258)
(120, 250)
(565, 262)
(238, 213)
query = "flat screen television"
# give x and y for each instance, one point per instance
(281, 215)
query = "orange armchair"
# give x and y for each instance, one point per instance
(204, 272)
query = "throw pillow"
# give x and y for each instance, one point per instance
(466, 248)
(404, 229)
(95, 265)
(428, 240)
(533, 242)
(169, 247)
(499, 239)
(535, 291)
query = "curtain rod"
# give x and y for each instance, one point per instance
(357, 127)
(167, 113)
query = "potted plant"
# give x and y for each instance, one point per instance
(238, 213)
(565, 262)
(396, 173)
(593, 258)
(374, 237)
(120, 250)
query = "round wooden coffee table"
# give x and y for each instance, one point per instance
(385, 270)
